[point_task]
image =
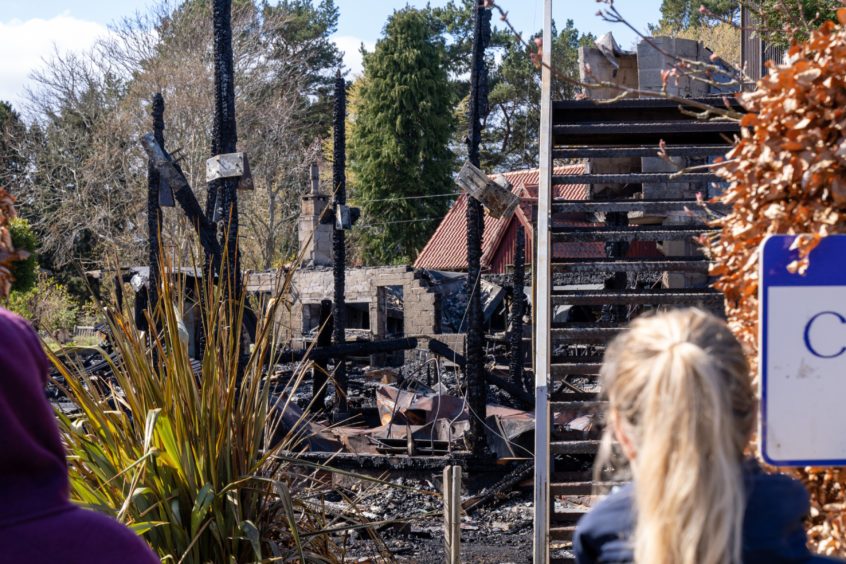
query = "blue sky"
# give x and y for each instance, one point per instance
(31, 29)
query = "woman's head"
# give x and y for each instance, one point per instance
(681, 404)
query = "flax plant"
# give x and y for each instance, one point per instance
(191, 461)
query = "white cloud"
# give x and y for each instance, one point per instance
(24, 44)
(351, 47)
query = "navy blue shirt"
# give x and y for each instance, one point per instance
(773, 528)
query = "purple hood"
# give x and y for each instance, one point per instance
(38, 523)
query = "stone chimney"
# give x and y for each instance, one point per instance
(315, 237)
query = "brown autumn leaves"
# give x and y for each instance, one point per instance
(787, 175)
(8, 254)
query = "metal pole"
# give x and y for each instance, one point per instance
(339, 257)
(476, 387)
(542, 303)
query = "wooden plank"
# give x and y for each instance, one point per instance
(497, 199)
(452, 514)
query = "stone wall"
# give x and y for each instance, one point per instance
(421, 313)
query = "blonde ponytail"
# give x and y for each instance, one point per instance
(679, 386)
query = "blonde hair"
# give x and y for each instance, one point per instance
(679, 385)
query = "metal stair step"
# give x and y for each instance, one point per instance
(632, 297)
(561, 369)
(640, 233)
(584, 109)
(568, 516)
(587, 152)
(578, 396)
(626, 205)
(579, 488)
(563, 433)
(669, 264)
(637, 178)
(574, 447)
(647, 127)
(584, 333)
(556, 406)
(564, 533)
(569, 559)
(571, 476)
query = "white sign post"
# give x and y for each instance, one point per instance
(803, 354)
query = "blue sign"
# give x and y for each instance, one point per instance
(803, 354)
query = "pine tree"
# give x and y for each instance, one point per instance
(510, 138)
(399, 143)
(682, 14)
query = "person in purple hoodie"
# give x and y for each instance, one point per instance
(38, 522)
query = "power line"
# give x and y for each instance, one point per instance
(400, 198)
(401, 221)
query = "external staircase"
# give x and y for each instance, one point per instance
(568, 353)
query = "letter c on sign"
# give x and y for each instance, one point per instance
(808, 344)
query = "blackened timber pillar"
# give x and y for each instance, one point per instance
(225, 140)
(518, 310)
(154, 211)
(320, 371)
(339, 256)
(475, 370)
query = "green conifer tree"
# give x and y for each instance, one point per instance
(399, 143)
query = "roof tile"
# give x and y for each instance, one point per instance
(447, 248)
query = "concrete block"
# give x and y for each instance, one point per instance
(668, 192)
(651, 63)
(679, 280)
(601, 70)
(620, 165)
(657, 164)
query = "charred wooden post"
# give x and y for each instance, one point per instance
(225, 140)
(154, 211)
(173, 175)
(442, 349)
(474, 373)
(452, 513)
(366, 348)
(142, 298)
(349, 349)
(518, 310)
(339, 184)
(321, 367)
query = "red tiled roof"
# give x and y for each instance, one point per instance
(447, 248)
